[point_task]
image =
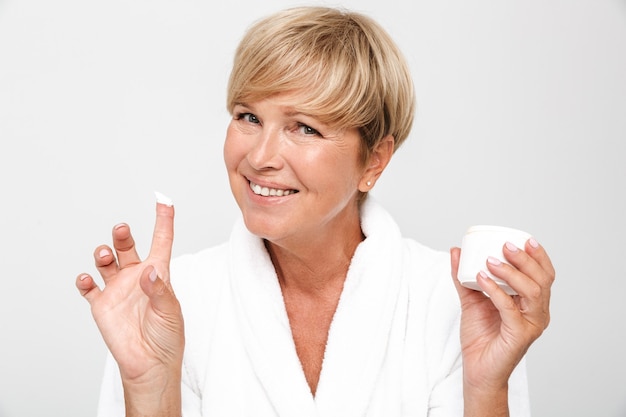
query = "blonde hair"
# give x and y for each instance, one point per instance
(349, 70)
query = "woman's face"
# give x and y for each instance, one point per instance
(292, 176)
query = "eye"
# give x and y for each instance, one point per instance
(248, 117)
(308, 130)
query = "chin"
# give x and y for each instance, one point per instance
(261, 226)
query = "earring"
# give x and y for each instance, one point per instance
(369, 183)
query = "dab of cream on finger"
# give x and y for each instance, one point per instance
(163, 199)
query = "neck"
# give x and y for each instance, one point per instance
(319, 264)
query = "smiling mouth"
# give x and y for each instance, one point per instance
(270, 192)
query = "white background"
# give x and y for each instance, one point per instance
(521, 122)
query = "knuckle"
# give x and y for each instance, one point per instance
(547, 321)
(162, 234)
(551, 276)
(534, 291)
(523, 259)
(125, 245)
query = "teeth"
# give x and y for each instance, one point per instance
(265, 191)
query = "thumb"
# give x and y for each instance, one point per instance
(161, 295)
(455, 256)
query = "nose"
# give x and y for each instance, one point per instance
(265, 154)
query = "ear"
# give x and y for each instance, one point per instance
(376, 163)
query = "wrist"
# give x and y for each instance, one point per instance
(155, 395)
(486, 401)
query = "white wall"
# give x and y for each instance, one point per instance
(522, 115)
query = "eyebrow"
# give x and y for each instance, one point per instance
(239, 103)
(296, 113)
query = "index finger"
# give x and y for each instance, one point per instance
(163, 236)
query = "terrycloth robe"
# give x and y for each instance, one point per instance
(393, 348)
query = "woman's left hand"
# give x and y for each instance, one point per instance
(497, 329)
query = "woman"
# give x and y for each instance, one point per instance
(316, 306)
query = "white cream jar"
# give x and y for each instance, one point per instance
(481, 242)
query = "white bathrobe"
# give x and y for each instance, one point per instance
(393, 347)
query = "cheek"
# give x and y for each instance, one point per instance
(336, 173)
(233, 151)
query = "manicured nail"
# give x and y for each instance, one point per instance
(83, 277)
(103, 253)
(533, 242)
(494, 261)
(117, 226)
(163, 199)
(153, 275)
(484, 275)
(511, 247)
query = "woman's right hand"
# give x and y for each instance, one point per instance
(138, 314)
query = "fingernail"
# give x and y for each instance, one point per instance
(533, 242)
(163, 199)
(511, 247)
(484, 275)
(153, 275)
(83, 277)
(117, 226)
(103, 253)
(494, 261)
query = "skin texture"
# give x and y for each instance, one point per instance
(311, 234)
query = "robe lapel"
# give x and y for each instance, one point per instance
(359, 334)
(360, 331)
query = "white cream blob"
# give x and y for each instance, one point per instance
(163, 199)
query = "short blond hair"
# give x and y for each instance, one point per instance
(347, 66)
